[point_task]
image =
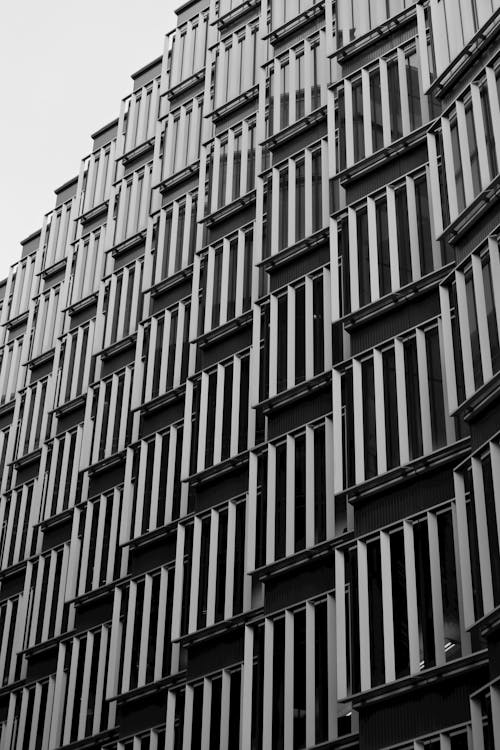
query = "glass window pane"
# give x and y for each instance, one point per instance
(376, 104)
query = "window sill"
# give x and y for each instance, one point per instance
(234, 15)
(93, 213)
(82, 304)
(150, 689)
(380, 158)
(301, 559)
(54, 521)
(283, 257)
(426, 678)
(92, 741)
(178, 178)
(297, 393)
(39, 359)
(10, 687)
(224, 331)
(458, 68)
(472, 213)
(7, 407)
(110, 351)
(278, 35)
(69, 406)
(222, 627)
(18, 320)
(227, 466)
(159, 402)
(393, 300)
(52, 643)
(104, 464)
(370, 488)
(135, 153)
(93, 595)
(124, 246)
(184, 86)
(367, 40)
(153, 535)
(228, 108)
(170, 282)
(27, 459)
(295, 129)
(488, 624)
(55, 268)
(482, 399)
(230, 209)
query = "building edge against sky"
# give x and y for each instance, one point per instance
(249, 396)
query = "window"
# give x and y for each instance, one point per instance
(132, 204)
(77, 363)
(60, 469)
(222, 417)
(108, 419)
(140, 116)
(141, 630)
(394, 99)
(407, 419)
(181, 137)
(18, 538)
(295, 641)
(357, 17)
(294, 508)
(153, 497)
(218, 555)
(358, 121)
(475, 491)
(297, 189)
(293, 84)
(412, 82)
(376, 105)
(162, 354)
(380, 104)
(488, 128)
(457, 163)
(386, 241)
(10, 360)
(232, 165)
(46, 616)
(56, 234)
(470, 314)
(299, 337)
(123, 302)
(86, 657)
(102, 560)
(235, 65)
(34, 417)
(210, 706)
(87, 264)
(282, 13)
(403, 613)
(384, 261)
(188, 49)
(473, 150)
(48, 321)
(11, 636)
(467, 145)
(226, 278)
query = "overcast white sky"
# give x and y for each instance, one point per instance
(65, 65)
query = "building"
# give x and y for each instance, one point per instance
(249, 396)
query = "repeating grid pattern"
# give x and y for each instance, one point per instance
(249, 379)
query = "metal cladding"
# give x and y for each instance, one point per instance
(249, 396)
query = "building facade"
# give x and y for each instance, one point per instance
(250, 396)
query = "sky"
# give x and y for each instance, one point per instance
(65, 66)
